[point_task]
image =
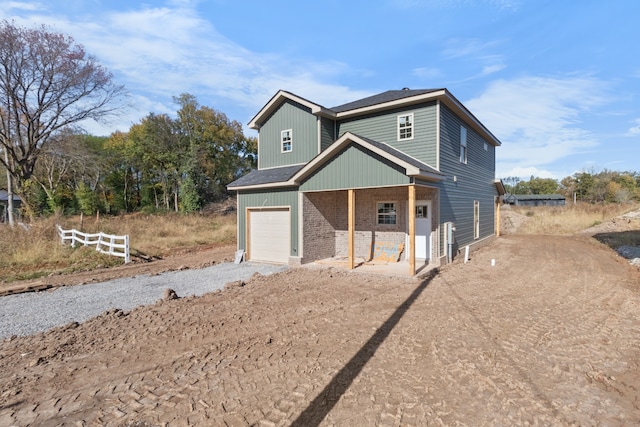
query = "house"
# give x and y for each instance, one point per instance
(4, 205)
(410, 172)
(535, 199)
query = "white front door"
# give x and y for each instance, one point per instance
(423, 229)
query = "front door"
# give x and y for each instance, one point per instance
(423, 229)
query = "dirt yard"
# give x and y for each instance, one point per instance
(548, 336)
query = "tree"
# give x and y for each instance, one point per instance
(47, 83)
(543, 185)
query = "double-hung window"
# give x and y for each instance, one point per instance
(405, 127)
(463, 144)
(386, 213)
(286, 139)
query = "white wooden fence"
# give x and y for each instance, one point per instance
(105, 243)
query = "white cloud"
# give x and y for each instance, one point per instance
(427, 73)
(20, 5)
(539, 119)
(160, 52)
(526, 172)
(634, 131)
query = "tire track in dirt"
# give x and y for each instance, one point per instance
(550, 336)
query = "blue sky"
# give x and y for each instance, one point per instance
(558, 82)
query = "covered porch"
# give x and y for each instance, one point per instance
(388, 230)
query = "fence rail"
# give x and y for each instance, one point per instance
(105, 243)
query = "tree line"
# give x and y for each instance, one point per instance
(161, 163)
(587, 186)
(49, 85)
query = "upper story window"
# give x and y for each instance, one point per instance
(286, 138)
(463, 144)
(386, 213)
(405, 127)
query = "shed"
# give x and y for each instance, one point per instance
(535, 199)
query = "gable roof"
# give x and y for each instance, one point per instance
(382, 98)
(262, 178)
(375, 103)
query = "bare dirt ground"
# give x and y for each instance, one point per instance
(548, 336)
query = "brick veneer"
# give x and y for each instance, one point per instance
(325, 216)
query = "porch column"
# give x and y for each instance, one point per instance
(412, 230)
(352, 226)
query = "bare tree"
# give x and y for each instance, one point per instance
(47, 83)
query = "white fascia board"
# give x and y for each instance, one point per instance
(289, 183)
(278, 98)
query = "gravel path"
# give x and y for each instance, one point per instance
(29, 313)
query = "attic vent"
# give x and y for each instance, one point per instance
(405, 88)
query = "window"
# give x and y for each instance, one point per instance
(463, 144)
(285, 137)
(422, 211)
(476, 219)
(386, 213)
(405, 127)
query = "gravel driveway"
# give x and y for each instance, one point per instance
(28, 313)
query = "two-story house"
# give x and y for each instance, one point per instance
(410, 169)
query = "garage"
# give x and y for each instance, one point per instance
(269, 235)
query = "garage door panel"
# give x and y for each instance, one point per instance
(269, 235)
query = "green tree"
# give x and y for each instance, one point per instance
(543, 185)
(47, 83)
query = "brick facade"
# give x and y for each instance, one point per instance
(325, 221)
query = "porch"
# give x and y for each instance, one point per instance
(389, 230)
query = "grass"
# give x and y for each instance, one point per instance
(36, 251)
(568, 219)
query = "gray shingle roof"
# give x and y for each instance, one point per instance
(266, 176)
(388, 96)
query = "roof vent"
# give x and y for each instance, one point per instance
(405, 88)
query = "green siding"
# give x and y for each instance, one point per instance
(474, 180)
(327, 133)
(257, 199)
(355, 167)
(290, 115)
(383, 127)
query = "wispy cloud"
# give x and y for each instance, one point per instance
(480, 54)
(448, 4)
(635, 130)
(539, 119)
(427, 73)
(162, 52)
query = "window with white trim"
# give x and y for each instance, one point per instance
(286, 138)
(463, 144)
(405, 127)
(476, 219)
(386, 213)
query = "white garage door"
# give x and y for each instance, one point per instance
(269, 235)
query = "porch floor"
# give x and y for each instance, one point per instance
(400, 268)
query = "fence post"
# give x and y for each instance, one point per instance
(99, 241)
(127, 257)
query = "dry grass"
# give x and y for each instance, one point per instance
(568, 219)
(36, 251)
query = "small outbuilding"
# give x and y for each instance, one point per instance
(4, 204)
(535, 199)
